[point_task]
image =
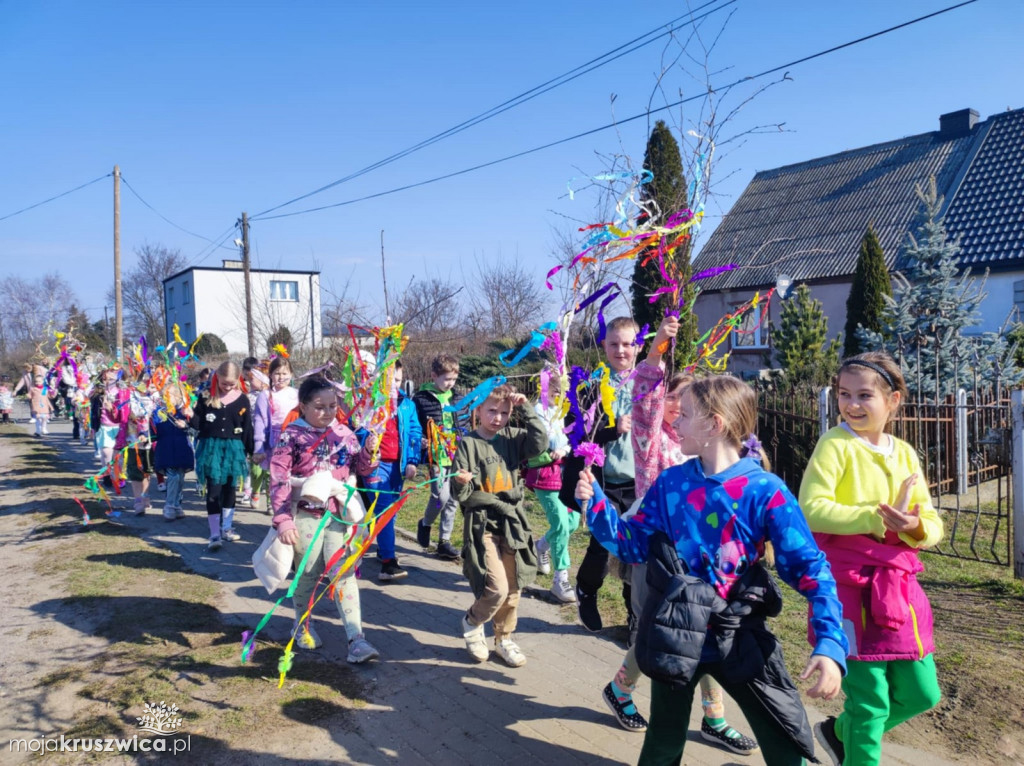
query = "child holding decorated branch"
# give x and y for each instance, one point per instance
(173, 454)
(397, 456)
(40, 405)
(702, 529)
(430, 402)
(544, 477)
(617, 478)
(655, 448)
(499, 557)
(224, 442)
(868, 504)
(315, 443)
(109, 418)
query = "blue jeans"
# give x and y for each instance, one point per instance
(175, 478)
(388, 478)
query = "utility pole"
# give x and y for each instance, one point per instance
(118, 315)
(384, 276)
(250, 336)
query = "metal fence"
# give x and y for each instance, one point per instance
(964, 442)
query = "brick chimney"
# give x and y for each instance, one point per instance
(956, 124)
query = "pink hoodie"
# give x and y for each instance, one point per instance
(655, 444)
(886, 614)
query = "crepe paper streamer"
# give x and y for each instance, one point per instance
(246, 645)
(85, 513)
(591, 453)
(607, 393)
(260, 376)
(554, 342)
(537, 339)
(280, 350)
(577, 431)
(285, 664)
(713, 272)
(477, 396)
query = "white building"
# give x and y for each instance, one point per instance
(211, 300)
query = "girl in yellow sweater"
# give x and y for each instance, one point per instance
(867, 502)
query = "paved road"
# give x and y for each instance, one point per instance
(430, 703)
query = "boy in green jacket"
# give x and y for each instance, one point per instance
(499, 557)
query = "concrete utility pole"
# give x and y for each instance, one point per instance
(118, 315)
(249, 334)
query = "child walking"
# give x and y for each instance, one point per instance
(544, 477)
(702, 529)
(316, 442)
(41, 406)
(430, 402)
(655, 448)
(174, 457)
(224, 440)
(6, 399)
(868, 504)
(499, 557)
(397, 457)
(255, 483)
(272, 407)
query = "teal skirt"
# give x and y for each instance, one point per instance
(220, 461)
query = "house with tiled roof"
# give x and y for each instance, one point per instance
(806, 221)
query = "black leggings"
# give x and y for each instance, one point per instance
(220, 496)
(594, 566)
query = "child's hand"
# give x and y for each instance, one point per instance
(903, 496)
(289, 536)
(829, 679)
(410, 472)
(624, 423)
(424, 443)
(518, 400)
(463, 476)
(667, 330)
(584, 487)
(897, 521)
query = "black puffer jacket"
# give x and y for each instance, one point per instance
(674, 624)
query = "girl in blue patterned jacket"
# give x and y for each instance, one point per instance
(716, 512)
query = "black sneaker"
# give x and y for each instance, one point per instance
(628, 721)
(728, 738)
(390, 570)
(446, 551)
(825, 733)
(423, 534)
(586, 604)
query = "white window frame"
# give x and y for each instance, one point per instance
(747, 341)
(284, 290)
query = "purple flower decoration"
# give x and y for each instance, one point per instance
(752, 447)
(591, 453)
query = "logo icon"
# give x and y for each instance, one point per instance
(160, 719)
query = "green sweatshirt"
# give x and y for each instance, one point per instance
(492, 503)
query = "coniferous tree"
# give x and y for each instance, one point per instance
(667, 190)
(866, 304)
(802, 347)
(933, 304)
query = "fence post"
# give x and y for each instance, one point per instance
(1017, 466)
(823, 402)
(960, 438)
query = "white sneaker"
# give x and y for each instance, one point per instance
(214, 544)
(561, 589)
(475, 643)
(511, 653)
(543, 556)
(305, 636)
(231, 535)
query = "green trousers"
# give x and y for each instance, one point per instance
(879, 696)
(670, 721)
(561, 524)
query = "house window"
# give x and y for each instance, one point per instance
(188, 332)
(170, 297)
(186, 294)
(284, 291)
(1018, 298)
(751, 332)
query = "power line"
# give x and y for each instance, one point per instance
(207, 251)
(555, 82)
(620, 122)
(161, 215)
(58, 196)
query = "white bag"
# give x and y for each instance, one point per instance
(272, 561)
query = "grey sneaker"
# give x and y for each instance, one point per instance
(231, 535)
(360, 650)
(306, 636)
(214, 545)
(543, 556)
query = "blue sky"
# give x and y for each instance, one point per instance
(215, 108)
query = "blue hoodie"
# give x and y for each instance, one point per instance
(719, 524)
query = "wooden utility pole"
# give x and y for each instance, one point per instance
(118, 316)
(249, 334)
(384, 276)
